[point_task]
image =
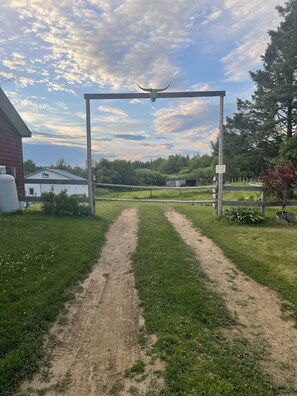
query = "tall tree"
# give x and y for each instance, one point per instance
(245, 154)
(275, 97)
(261, 130)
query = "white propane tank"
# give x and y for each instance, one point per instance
(8, 193)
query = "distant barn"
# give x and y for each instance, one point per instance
(35, 190)
(181, 183)
(12, 130)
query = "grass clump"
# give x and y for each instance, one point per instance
(137, 369)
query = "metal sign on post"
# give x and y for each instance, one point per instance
(220, 168)
(153, 94)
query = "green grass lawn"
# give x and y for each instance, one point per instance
(41, 259)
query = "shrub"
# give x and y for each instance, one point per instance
(244, 215)
(279, 182)
(82, 210)
(62, 204)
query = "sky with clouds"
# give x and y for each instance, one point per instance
(54, 51)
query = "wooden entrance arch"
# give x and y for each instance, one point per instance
(157, 95)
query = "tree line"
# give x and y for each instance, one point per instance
(155, 172)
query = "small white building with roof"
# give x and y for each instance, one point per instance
(35, 190)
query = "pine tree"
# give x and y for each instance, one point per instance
(275, 97)
(263, 127)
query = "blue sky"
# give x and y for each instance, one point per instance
(54, 51)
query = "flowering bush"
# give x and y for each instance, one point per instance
(279, 182)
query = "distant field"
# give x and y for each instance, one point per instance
(182, 194)
(157, 194)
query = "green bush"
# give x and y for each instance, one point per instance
(244, 215)
(62, 204)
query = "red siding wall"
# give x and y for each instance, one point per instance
(11, 151)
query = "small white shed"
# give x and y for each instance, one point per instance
(35, 190)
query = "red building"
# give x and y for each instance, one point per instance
(12, 130)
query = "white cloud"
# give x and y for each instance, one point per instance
(213, 15)
(16, 61)
(249, 20)
(176, 119)
(110, 43)
(113, 110)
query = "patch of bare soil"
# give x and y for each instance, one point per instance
(256, 308)
(100, 340)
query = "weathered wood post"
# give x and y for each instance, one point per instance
(220, 170)
(263, 199)
(89, 158)
(215, 195)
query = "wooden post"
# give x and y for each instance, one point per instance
(220, 175)
(94, 192)
(215, 195)
(263, 199)
(89, 157)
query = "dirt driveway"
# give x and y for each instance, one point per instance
(256, 308)
(100, 341)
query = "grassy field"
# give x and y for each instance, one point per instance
(41, 259)
(156, 194)
(180, 194)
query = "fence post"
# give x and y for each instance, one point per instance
(89, 158)
(215, 195)
(94, 192)
(263, 199)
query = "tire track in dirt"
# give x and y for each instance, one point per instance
(255, 307)
(100, 340)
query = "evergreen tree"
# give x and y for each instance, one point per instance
(275, 97)
(260, 132)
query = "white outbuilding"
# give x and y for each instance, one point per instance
(35, 190)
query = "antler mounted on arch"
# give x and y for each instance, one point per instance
(153, 91)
